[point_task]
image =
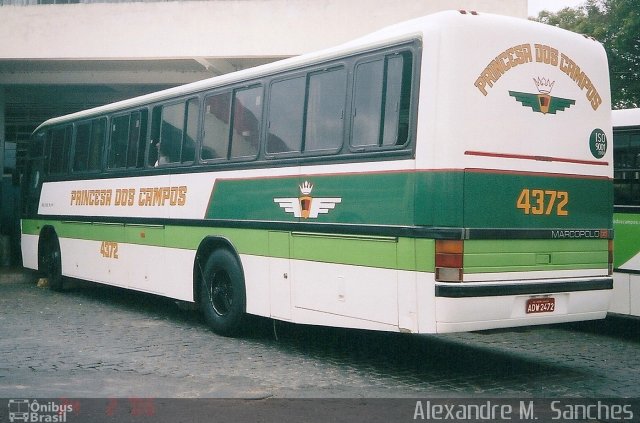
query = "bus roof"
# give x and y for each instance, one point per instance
(626, 117)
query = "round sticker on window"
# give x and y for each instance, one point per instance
(598, 143)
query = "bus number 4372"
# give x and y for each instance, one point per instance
(109, 249)
(543, 202)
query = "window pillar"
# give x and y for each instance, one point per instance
(2, 149)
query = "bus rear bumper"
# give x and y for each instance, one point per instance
(478, 306)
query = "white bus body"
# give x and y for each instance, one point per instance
(508, 138)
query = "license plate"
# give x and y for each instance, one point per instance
(541, 305)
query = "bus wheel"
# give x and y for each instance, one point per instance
(52, 264)
(222, 295)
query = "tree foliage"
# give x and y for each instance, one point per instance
(616, 24)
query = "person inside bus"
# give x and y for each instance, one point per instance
(163, 158)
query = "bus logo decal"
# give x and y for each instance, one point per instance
(547, 55)
(306, 206)
(543, 102)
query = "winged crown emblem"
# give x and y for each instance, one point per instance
(306, 206)
(543, 102)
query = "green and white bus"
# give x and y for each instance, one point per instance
(626, 219)
(449, 173)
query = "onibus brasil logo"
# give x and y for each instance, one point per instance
(306, 206)
(24, 410)
(543, 102)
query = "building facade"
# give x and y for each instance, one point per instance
(60, 56)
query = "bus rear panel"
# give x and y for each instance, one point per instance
(517, 135)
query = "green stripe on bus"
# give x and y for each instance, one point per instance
(627, 234)
(480, 256)
(495, 256)
(382, 252)
(491, 200)
(471, 199)
(383, 199)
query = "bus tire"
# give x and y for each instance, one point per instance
(223, 295)
(51, 263)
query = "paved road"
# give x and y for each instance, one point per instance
(97, 341)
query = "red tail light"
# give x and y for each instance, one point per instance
(449, 260)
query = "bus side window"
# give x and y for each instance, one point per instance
(96, 149)
(119, 141)
(178, 132)
(247, 114)
(286, 110)
(188, 152)
(626, 157)
(217, 114)
(392, 101)
(382, 101)
(171, 132)
(325, 110)
(81, 147)
(232, 124)
(406, 88)
(89, 144)
(137, 139)
(60, 149)
(154, 142)
(367, 104)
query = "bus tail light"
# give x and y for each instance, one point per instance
(449, 260)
